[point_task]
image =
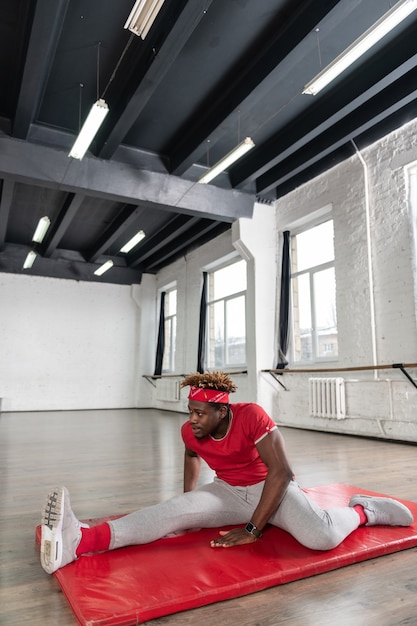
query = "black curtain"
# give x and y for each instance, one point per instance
(284, 303)
(202, 327)
(161, 338)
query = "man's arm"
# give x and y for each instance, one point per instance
(272, 451)
(192, 465)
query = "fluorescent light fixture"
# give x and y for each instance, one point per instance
(142, 16)
(246, 145)
(133, 242)
(29, 261)
(103, 268)
(40, 232)
(90, 127)
(384, 25)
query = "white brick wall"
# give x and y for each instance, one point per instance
(376, 405)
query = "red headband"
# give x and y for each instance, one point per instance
(208, 395)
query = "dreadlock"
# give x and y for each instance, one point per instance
(210, 380)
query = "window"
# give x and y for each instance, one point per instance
(313, 287)
(226, 314)
(170, 315)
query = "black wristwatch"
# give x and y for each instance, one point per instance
(252, 530)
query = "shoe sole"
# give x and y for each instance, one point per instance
(52, 516)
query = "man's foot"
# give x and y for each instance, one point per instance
(61, 531)
(383, 510)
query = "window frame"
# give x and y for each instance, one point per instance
(226, 299)
(171, 320)
(310, 272)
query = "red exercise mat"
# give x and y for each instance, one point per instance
(139, 583)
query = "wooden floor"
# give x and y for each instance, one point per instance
(117, 461)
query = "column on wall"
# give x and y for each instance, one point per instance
(256, 240)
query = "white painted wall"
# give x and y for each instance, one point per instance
(66, 344)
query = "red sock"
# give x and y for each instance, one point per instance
(360, 511)
(95, 539)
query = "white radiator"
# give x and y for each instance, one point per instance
(327, 397)
(167, 390)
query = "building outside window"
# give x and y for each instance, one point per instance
(226, 316)
(170, 315)
(313, 291)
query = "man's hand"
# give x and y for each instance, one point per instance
(235, 537)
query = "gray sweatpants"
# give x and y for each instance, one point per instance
(219, 504)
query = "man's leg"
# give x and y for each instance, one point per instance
(215, 504)
(63, 538)
(321, 529)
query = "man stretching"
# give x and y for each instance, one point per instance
(253, 486)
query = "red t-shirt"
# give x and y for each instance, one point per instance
(235, 458)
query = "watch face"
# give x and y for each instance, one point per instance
(251, 529)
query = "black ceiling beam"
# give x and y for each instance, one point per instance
(404, 115)
(43, 165)
(215, 232)
(67, 213)
(46, 29)
(126, 217)
(162, 60)
(388, 125)
(65, 264)
(381, 70)
(315, 169)
(195, 237)
(304, 129)
(370, 114)
(259, 62)
(169, 232)
(7, 190)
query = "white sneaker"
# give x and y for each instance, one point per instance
(383, 510)
(61, 531)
